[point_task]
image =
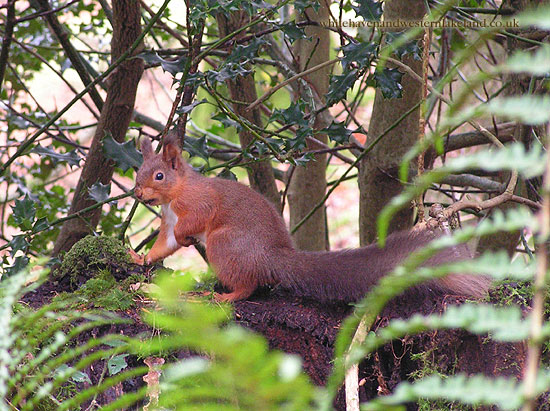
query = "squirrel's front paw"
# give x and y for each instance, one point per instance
(136, 258)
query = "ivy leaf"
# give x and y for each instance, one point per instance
(292, 31)
(125, 155)
(389, 82)
(337, 132)
(339, 86)
(368, 9)
(71, 157)
(117, 364)
(190, 107)
(99, 192)
(196, 147)
(172, 66)
(24, 212)
(80, 376)
(362, 53)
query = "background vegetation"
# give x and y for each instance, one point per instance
(272, 93)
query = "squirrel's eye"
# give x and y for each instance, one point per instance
(159, 176)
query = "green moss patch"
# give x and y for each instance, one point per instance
(92, 254)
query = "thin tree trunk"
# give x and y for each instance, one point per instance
(114, 120)
(378, 182)
(308, 184)
(243, 88)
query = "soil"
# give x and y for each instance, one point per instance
(309, 328)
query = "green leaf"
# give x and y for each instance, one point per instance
(125, 155)
(18, 243)
(117, 364)
(337, 132)
(172, 66)
(227, 174)
(339, 86)
(244, 53)
(190, 107)
(24, 213)
(503, 392)
(528, 109)
(368, 9)
(293, 114)
(80, 376)
(361, 53)
(301, 5)
(40, 224)
(537, 63)
(99, 192)
(71, 158)
(538, 17)
(292, 31)
(409, 48)
(389, 82)
(226, 121)
(196, 147)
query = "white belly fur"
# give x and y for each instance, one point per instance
(170, 219)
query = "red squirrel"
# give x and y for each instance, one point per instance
(248, 244)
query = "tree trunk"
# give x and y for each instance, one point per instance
(243, 88)
(378, 182)
(519, 86)
(114, 120)
(308, 183)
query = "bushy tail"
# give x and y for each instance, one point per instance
(348, 275)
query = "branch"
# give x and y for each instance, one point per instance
(111, 68)
(8, 32)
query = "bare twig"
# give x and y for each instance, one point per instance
(8, 33)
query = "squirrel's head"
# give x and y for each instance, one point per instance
(160, 174)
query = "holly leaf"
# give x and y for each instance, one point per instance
(18, 243)
(24, 212)
(226, 121)
(19, 264)
(370, 10)
(337, 132)
(172, 66)
(190, 107)
(117, 364)
(389, 82)
(339, 86)
(196, 147)
(40, 225)
(71, 157)
(361, 53)
(293, 114)
(99, 192)
(227, 174)
(292, 31)
(243, 54)
(410, 48)
(125, 155)
(227, 72)
(301, 5)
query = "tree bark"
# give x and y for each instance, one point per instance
(378, 182)
(243, 88)
(308, 183)
(114, 120)
(519, 86)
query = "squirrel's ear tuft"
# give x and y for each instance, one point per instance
(171, 151)
(146, 147)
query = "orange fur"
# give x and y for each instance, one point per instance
(249, 246)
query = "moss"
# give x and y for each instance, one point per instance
(93, 253)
